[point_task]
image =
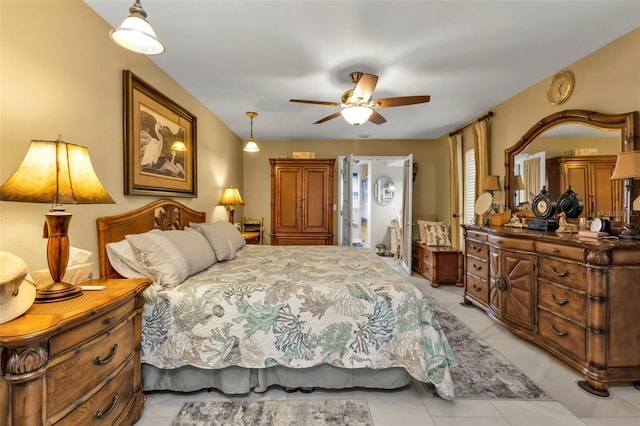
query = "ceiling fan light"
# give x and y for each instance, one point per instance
(136, 33)
(356, 115)
(251, 146)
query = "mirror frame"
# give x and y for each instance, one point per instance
(627, 123)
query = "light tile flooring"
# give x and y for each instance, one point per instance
(412, 405)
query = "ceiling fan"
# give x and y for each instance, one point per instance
(358, 107)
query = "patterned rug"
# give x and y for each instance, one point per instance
(482, 373)
(330, 412)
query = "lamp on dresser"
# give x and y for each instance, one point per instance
(628, 168)
(491, 184)
(56, 173)
(231, 197)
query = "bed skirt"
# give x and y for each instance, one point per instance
(239, 380)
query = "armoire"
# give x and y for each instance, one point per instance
(589, 178)
(301, 201)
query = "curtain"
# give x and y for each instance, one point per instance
(455, 179)
(531, 178)
(481, 141)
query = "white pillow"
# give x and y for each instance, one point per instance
(422, 227)
(123, 260)
(227, 229)
(437, 235)
(160, 258)
(221, 245)
(192, 246)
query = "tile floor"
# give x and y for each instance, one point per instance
(412, 405)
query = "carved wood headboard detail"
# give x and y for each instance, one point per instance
(161, 214)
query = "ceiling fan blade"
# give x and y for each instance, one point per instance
(376, 118)
(364, 88)
(302, 101)
(400, 101)
(329, 117)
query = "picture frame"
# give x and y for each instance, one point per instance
(153, 163)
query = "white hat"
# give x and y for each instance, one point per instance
(16, 293)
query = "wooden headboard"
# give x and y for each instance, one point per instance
(161, 214)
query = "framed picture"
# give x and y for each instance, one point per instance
(159, 143)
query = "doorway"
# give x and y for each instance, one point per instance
(373, 190)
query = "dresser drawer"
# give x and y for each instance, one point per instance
(511, 243)
(74, 375)
(478, 268)
(106, 405)
(101, 323)
(566, 303)
(475, 249)
(427, 256)
(565, 273)
(477, 235)
(426, 270)
(562, 333)
(477, 288)
(555, 250)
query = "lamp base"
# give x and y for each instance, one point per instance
(57, 292)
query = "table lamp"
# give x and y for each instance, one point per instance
(59, 173)
(518, 185)
(230, 198)
(628, 168)
(492, 183)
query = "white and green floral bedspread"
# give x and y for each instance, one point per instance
(298, 307)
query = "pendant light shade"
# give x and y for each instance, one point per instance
(136, 34)
(356, 115)
(251, 145)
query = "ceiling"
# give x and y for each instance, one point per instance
(238, 56)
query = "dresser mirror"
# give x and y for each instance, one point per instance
(570, 133)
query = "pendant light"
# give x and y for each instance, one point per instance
(136, 34)
(251, 145)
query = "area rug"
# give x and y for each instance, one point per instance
(330, 412)
(482, 372)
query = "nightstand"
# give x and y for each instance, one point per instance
(439, 264)
(75, 361)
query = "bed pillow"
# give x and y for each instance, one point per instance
(218, 241)
(227, 229)
(437, 235)
(161, 259)
(423, 230)
(193, 246)
(123, 260)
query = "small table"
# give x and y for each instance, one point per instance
(251, 237)
(439, 264)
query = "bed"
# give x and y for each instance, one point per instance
(299, 317)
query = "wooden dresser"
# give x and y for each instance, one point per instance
(301, 201)
(75, 362)
(439, 264)
(579, 301)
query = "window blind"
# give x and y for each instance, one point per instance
(469, 185)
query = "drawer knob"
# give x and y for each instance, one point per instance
(107, 360)
(100, 415)
(555, 250)
(501, 284)
(558, 301)
(476, 288)
(476, 267)
(110, 320)
(559, 274)
(476, 249)
(558, 333)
